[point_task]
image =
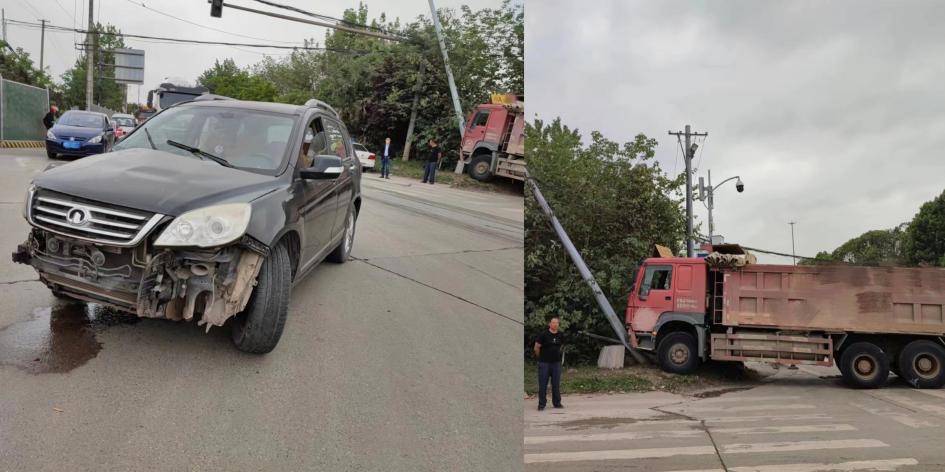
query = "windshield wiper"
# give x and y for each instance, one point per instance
(200, 152)
(148, 135)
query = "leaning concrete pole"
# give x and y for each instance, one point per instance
(449, 77)
(602, 301)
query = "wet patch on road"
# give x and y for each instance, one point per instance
(720, 392)
(57, 339)
(599, 422)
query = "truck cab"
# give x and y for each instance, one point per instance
(493, 142)
(668, 304)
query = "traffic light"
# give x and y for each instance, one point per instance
(216, 8)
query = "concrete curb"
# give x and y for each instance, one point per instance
(8, 144)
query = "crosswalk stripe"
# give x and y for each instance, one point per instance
(747, 419)
(686, 433)
(650, 453)
(709, 409)
(904, 400)
(900, 418)
(874, 465)
(759, 398)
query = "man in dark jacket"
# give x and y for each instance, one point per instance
(50, 117)
(548, 351)
(433, 159)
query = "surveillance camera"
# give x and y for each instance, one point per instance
(739, 185)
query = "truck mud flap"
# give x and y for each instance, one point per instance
(790, 349)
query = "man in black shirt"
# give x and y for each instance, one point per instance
(548, 352)
(429, 169)
(50, 117)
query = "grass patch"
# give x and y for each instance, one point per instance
(635, 378)
(414, 170)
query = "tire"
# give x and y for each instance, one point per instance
(51, 154)
(864, 365)
(922, 363)
(677, 353)
(480, 167)
(340, 254)
(258, 328)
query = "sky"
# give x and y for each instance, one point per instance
(832, 113)
(188, 61)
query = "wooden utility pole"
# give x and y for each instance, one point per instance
(89, 58)
(413, 109)
(688, 152)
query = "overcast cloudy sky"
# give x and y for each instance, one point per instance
(833, 113)
(188, 61)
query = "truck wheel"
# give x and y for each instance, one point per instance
(341, 253)
(677, 353)
(864, 365)
(922, 363)
(480, 168)
(258, 328)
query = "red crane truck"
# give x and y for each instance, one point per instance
(866, 320)
(494, 140)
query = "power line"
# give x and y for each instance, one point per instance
(142, 5)
(318, 15)
(144, 38)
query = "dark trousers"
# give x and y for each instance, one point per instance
(385, 167)
(429, 172)
(546, 370)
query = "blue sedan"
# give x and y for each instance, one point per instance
(80, 133)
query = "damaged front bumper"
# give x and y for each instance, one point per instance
(178, 284)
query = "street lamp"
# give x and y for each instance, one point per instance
(707, 193)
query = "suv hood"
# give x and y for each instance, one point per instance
(155, 181)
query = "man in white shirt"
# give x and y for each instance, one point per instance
(385, 160)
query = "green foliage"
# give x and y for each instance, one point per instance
(105, 91)
(615, 202)
(226, 78)
(17, 66)
(925, 237)
(881, 247)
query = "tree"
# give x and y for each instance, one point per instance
(105, 91)
(226, 78)
(615, 202)
(16, 65)
(880, 247)
(925, 237)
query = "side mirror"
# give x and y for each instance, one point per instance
(644, 292)
(325, 168)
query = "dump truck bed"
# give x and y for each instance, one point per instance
(833, 298)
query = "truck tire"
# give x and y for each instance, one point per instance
(677, 353)
(258, 328)
(864, 365)
(922, 364)
(480, 167)
(340, 254)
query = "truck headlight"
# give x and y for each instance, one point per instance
(95, 140)
(207, 227)
(50, 134)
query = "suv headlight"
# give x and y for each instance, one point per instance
(50, 134)
(95, 140)
(207, 227)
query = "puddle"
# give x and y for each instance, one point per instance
(57, 339)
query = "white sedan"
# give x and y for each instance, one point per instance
(366, 157)
(124, 124)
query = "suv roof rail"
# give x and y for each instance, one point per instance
(316, 103)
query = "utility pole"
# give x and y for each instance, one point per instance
(89, 59)
(452, 83)
(413, 109)
(42, 43)
(793, 254)
(688, 152)
(711, 206)
(3, 17)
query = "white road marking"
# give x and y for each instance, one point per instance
(746, 419)
(900, 418)
(650, 453)
(876, 465)
(904, 400)
(732, 409)
(686, 433)
(760, 398)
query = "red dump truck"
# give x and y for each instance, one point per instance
(494, 140)
(866, 320)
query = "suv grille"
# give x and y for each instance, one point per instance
(89, 220)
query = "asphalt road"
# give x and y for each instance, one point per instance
(405, 358)
(796, 421)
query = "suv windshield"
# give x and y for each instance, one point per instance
(248, 139)
(84, 120)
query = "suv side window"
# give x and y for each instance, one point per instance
(314, 143)
(657, 277)
(337, 144)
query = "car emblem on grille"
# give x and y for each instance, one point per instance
(77, 216)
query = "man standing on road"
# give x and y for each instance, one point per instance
(433, 159)
(548, 352)
(385, 160)
(50, 117)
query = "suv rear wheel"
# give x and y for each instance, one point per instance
(258, 328)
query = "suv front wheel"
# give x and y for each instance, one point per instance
(341, 253)
(258, 328)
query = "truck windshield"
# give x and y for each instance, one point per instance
(173, 98)
(248, 139)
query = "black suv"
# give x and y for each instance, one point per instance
(211, 209)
